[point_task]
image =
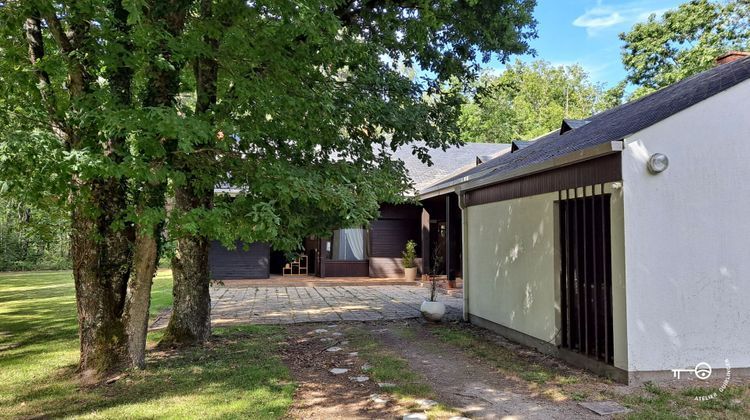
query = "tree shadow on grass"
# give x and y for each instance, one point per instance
(237, 374)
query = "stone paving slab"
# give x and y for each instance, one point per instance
(290, 305)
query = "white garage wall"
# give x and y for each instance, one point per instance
(687, 237)
(513, 271)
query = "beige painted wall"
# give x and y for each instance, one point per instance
(513, 267)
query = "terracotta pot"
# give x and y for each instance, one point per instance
(432, 311)
(410, 273)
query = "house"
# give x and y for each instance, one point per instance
(375, 251)
(620, 243)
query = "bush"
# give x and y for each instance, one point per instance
(410, 255)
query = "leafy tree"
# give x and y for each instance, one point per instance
(110, 107)
(32, 238)
(683, 42)
(531, 99)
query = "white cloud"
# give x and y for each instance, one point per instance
(607, 16)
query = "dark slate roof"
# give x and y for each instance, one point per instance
(518, 145)
(615, 123)
(569, 124)
(446, 163)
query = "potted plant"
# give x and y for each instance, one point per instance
(431, 309)
(410, 261)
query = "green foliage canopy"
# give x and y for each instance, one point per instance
(683, 42)
(309, 100)
(530, 99)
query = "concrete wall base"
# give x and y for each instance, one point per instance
(667, 376)
(575, 359)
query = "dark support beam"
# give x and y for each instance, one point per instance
(425, 241)
(448, 227)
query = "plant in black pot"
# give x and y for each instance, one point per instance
(409, 261)
(431, 309)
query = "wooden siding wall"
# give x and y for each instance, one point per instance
(595, 171)
(332, 268)
(226, 264)
(388, 236)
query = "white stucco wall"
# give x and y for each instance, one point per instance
(687, 237)
(512, 267)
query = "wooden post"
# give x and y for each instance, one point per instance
(425, 241)
(448, 236)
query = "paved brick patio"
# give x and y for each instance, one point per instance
(288, 305)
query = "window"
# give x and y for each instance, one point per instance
(348, 244)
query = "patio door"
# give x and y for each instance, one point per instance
(585, 273)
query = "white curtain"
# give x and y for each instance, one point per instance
(348, 244)
(355, 238)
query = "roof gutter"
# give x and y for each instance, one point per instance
(471, 183)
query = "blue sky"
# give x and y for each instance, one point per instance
(586, 32)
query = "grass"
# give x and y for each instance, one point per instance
(657, 402)
(503, 358)
(237, 375)
(650, 402)
(389, 368)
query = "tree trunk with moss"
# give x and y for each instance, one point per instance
(101, 267)
(191, 312)
(191, 309)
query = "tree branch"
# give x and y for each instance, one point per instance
(77, 74)
(33, 29)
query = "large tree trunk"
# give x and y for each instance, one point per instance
(191, 311)
(138, 300)
(101, 267)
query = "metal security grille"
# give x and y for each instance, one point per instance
(585, 272)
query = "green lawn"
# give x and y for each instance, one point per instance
(237, 375)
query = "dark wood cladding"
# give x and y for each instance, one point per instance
(227, 264)
(331, 268)
(388, 237)
(595, 171)
(399, 211)
(396, 225)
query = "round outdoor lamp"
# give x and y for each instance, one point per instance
(657, 163)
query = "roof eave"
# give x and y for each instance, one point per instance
(564, 160)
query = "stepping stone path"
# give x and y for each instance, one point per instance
(379, 399)
(604, 408)
(426, 404)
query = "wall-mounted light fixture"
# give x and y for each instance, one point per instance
(657, 163)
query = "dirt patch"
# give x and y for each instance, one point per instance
(321, 394)
(470, 384)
